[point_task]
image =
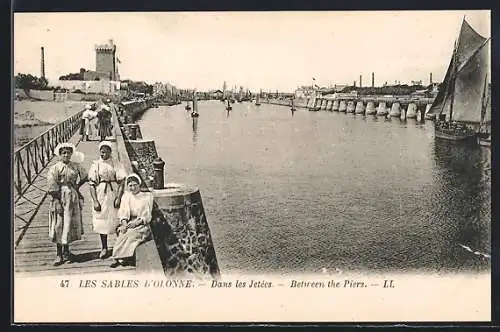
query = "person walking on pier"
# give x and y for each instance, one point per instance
(104, 118)
(106, 188)
(87, 117)
(134, 214)
(64, 180)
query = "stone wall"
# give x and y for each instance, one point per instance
(143, 152)
(36, 94)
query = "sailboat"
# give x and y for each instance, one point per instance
(257, 100)
(228, 107)
(460, 104)
(194, 113)
(293, 109)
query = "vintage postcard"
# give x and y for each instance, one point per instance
(327, 166)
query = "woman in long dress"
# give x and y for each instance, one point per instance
(87, 117)
(106, 188)
(134, 215)
(104, 118)
(64, 180)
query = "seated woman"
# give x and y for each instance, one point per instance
(134, 215)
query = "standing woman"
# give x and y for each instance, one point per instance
(134, 214)
(87, 117)
(64, 180)
(105, 125)
(106, 188)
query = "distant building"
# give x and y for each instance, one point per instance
(100, 87)
(106, 64)
(165, 89)
(305, 91)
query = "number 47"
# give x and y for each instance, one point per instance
(64, 283)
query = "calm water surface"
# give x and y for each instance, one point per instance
(328, 190)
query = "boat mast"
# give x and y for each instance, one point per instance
(483, 104)
(451, 84)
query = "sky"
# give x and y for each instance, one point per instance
(257, 50)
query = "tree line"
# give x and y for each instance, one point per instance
(30, 82)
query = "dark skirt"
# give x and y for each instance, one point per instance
(82, 126)
(105, 129)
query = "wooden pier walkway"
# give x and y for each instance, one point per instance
(35, 253)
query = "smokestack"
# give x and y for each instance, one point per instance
(430, 78)
(360, 81)
(42, 63)
(373, 80)
(354, 83)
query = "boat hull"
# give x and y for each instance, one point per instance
(453, 136)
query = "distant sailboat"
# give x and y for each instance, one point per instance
(257, 100)
(460, 104)
(293, 109)
(194, 113)
(228, 106)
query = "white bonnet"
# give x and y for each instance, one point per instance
(76, 157)
(105, 143)
(135, 176)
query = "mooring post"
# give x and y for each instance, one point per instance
(132, 132)
(158, 167)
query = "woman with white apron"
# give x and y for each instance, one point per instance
(106, 188)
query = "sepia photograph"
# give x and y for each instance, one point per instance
(280, 163)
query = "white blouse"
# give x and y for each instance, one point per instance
(106, 171)
(139, 205)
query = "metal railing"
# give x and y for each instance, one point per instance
(32, 158)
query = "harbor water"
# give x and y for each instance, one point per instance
(328, 191)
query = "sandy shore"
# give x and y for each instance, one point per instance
(45, 115)
(46, 112)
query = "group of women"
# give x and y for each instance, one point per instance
(103, 124)
(114, 209)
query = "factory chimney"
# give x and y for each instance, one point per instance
(42, 63)
(373, 80)
(360, 81)
(430, 78)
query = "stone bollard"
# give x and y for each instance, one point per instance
(181, 233)
(158, 169)
(132, 134)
